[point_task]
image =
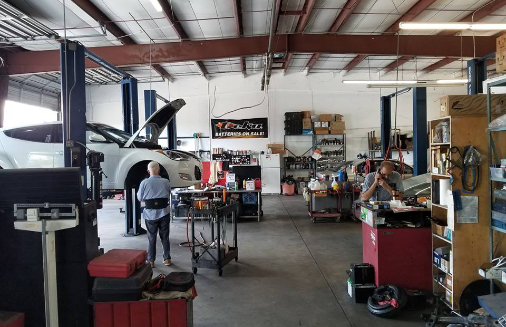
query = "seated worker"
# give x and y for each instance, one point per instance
(381, 185)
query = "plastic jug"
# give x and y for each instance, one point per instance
(335, 185)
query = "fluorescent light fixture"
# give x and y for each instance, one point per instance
(6, 18)
(452, 26)
(378, 82)
(396, 86)
(157, 6)
(452, 81)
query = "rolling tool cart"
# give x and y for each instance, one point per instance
(214, 255)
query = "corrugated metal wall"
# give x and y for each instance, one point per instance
(34, 90)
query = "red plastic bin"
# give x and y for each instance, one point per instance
(117, 263)
(156, 313)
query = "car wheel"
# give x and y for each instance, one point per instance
(387, 292)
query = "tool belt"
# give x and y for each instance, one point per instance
(159, 203)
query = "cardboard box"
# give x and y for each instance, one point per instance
(250, 185)
(317, 124)
(306, 114)
(339, 125)
(326, 117)
(306, 123)
(338, 117)
(336, 131)
(325, 124)
(321, 130)
(277, 148)
(500, 60)
(500, 43)
(475, 104)
(448, 281)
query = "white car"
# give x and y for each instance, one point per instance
(126, 156)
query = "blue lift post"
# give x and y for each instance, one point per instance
(420, 143)
(386, 123)
(477, 73)
(130, 105)
(73, 105)
(149, 107)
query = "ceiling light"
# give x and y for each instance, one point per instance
(452, 81)
(6, 18)
(157, 6)
(396, 86)
(452, 26)
(378, 82)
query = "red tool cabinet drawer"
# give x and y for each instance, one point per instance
(12, 319)
(157, 313)
(117, 263)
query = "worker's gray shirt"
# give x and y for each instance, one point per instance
(154, 187)
(381, 194)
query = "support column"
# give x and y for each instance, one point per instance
(386, 124)
(74, 108)
(130, 105)
(420, 143)
(149, 108)
(476, 74)
(172, 134)
(4, 89)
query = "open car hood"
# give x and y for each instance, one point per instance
(158, 121)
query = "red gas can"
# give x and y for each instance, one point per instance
(258, 183)
(117, 263)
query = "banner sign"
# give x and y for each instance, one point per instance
(253, 128)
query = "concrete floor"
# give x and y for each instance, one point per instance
(291, 272)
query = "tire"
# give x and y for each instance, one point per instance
(387, 310)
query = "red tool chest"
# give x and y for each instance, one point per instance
(117, 263)
(156, 313)
(400, 256)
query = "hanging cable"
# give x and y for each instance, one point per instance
(231, 111)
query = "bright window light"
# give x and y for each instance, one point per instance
(452, 26)
(157, 6)
(379, 82)
(19, 114)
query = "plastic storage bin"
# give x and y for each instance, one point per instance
(117, 263)
(121, 289)
(498, 172)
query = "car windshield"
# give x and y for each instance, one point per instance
(118, 135)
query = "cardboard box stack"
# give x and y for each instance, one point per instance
(329, 124)
(277, 148)
(500, 53)
(306, 120)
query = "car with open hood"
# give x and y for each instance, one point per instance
(126, 156)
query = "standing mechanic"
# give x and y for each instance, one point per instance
(383, 184)
(155, 192)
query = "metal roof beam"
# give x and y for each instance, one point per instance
(28, 62)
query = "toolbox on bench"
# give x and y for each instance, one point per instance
(117, 263)
(121, 289)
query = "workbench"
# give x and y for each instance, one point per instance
(400, 255)
(228, 193)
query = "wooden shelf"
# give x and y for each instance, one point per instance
(499, 229)
(440, 206)
(438, 144)
(441, 270)
(443, 286)
(441, 175)
(442, 238)
(495, 179)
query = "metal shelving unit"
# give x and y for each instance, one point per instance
(327, 161)
(496, 144)
(308, 165)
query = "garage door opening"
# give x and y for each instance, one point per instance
(19, 114)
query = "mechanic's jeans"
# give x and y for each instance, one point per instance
(163, 226)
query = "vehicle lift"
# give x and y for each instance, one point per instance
(73, 55)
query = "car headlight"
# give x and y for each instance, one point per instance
(185, 177)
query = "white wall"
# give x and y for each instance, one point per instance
(320, 93)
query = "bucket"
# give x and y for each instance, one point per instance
(288, 189)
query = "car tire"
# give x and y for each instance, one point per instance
(387, 310)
